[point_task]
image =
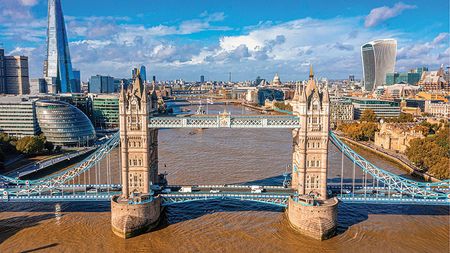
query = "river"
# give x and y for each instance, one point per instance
(222, 156)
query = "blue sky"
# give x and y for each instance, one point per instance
(185, 39)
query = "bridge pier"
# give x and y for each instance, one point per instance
(129, 219)
(316, 219)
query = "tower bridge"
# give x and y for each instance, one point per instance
(310, 200)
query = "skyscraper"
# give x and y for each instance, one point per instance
(58, 67)
(378, 58)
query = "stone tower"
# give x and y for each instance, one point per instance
(139, 144)
(310, 211)
(136, 210)
(310, 142)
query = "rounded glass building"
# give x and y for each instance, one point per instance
(63, 124)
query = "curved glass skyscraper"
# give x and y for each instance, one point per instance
(64, 124)
(378, 59)
(58, 67)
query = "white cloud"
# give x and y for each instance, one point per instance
(380, 14)
(29, 2)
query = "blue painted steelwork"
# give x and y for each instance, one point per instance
(390, 180)
(51, 182)
(226, 121)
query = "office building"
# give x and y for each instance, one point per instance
(105, 111)
(38, 86)
(142, 71)
(268, 94)
(378, 59)
(14, 77)
(77, 80)
(341, 110)
(438, 109)
(63, 124)
(382, 108)
(18, 116)
(2, 71)
(58, 66)
(202, 79)
(411, 78)
(101, 84)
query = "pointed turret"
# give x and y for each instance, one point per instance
(311, 72)
(303, 97)
(296, 93)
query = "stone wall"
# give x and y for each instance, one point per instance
(128, 220)
(318, 222)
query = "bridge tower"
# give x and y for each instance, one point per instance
(311, 212)
(136, 210)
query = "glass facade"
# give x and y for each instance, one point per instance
(101, 84)
(58, 66)
(382, 108)
(64, 124)
(270, 94)
(105, 111)
(378, 59)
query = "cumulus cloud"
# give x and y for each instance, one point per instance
(380, 14)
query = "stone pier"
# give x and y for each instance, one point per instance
(317, 220)
(131, 219)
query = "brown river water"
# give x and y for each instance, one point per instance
(217, 157)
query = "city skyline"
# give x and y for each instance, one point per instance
(176, 41)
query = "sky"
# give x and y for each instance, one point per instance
(179, 39)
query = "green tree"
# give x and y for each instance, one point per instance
(30, 145)
(368, 116)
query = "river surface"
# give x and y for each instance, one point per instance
(220, 156)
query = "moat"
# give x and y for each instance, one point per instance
(222, 157)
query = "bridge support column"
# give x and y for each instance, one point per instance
(130, 219)
(314, 219)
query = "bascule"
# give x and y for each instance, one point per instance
(136, 203)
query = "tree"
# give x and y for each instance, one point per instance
(30, 145)
(441, 169)
(368, 116)
(49, 146)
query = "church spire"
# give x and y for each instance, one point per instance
(311, 73)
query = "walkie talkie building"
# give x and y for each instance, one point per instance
(378, 59)
(58, 66)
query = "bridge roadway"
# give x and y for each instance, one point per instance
(274, 195)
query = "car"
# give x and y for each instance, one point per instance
(166, 190)
(214, 191)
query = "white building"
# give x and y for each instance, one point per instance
(378, 59)
(438, 109)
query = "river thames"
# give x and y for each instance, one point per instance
(223, 156)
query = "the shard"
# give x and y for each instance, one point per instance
(58, 67)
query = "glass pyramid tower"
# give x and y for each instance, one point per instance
(58, 67)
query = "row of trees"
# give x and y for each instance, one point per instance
(432, 153)
(29, 145)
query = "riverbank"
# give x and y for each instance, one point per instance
(407, 167)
